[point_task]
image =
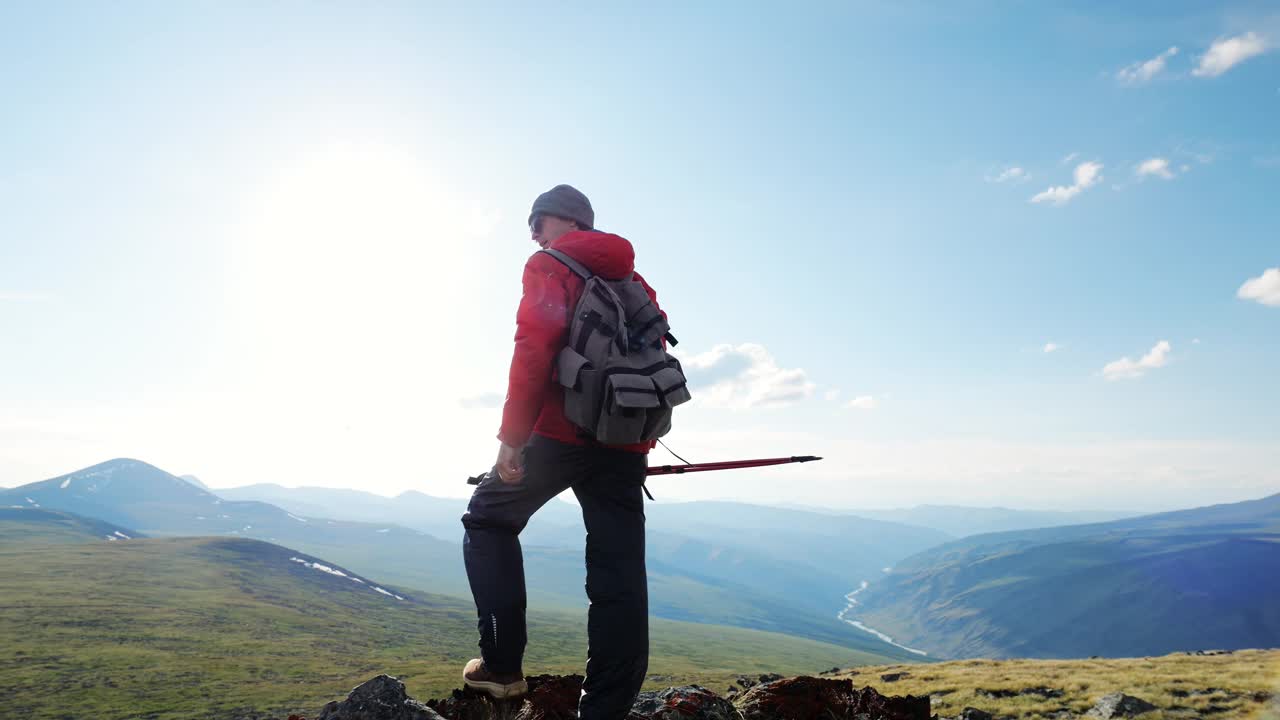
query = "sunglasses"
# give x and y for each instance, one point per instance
(536, 224)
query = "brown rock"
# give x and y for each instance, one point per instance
(690, 702)
(812, 698)
(550, 697)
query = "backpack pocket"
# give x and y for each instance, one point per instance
(581, 382)
(671, 386)
(628, 401)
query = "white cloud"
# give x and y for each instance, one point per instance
(1265, 288)
(1226, 53)
(863, 402)
(1087, 174)
(1156, 166)
(1067, 160)
(1012, 173)
(831, 395)
(1142, 71)
(1126, 368)
(1051, 347)
(744, 376)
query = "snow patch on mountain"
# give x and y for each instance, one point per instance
(338, 573)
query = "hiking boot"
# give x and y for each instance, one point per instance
(499, 685)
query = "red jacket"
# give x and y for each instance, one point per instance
(535, 400)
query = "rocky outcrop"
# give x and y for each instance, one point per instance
(1119, 705)
(550, 697)
(690, 702)
(811, 698)
(555, 697)
(382, 698)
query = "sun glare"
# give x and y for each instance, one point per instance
(349, 270)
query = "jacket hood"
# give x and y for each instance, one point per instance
(605, 254)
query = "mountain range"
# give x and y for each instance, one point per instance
(728, 575)
(1194, 579)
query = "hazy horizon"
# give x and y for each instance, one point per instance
(567, 497)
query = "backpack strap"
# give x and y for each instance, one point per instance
(586, 274)
(572, 264)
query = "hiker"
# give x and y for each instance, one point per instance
(541, 454)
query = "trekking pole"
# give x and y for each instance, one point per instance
(702, 467)
(726, 465)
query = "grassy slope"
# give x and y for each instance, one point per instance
(216, 627)
(1239, 682)
(38, 526)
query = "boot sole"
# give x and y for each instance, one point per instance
(499, 691)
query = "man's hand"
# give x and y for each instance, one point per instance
(510, 471)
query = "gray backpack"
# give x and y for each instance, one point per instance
(620, 384)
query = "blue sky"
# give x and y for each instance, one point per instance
(283, 243)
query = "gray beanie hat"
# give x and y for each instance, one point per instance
(565, 201)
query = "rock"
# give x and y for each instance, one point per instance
(972, 713)
(689, 702)
(813, 698)
(550, 697)
(894, 677)
(1119, 705)
(382, 698)
(1042, 691)
(553, 697)
(999, 693)
(832, 671)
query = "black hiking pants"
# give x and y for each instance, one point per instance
(607, 483)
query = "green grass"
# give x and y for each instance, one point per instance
(220, 627)
(1180, 685)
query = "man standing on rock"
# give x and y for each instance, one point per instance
(542, 454)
